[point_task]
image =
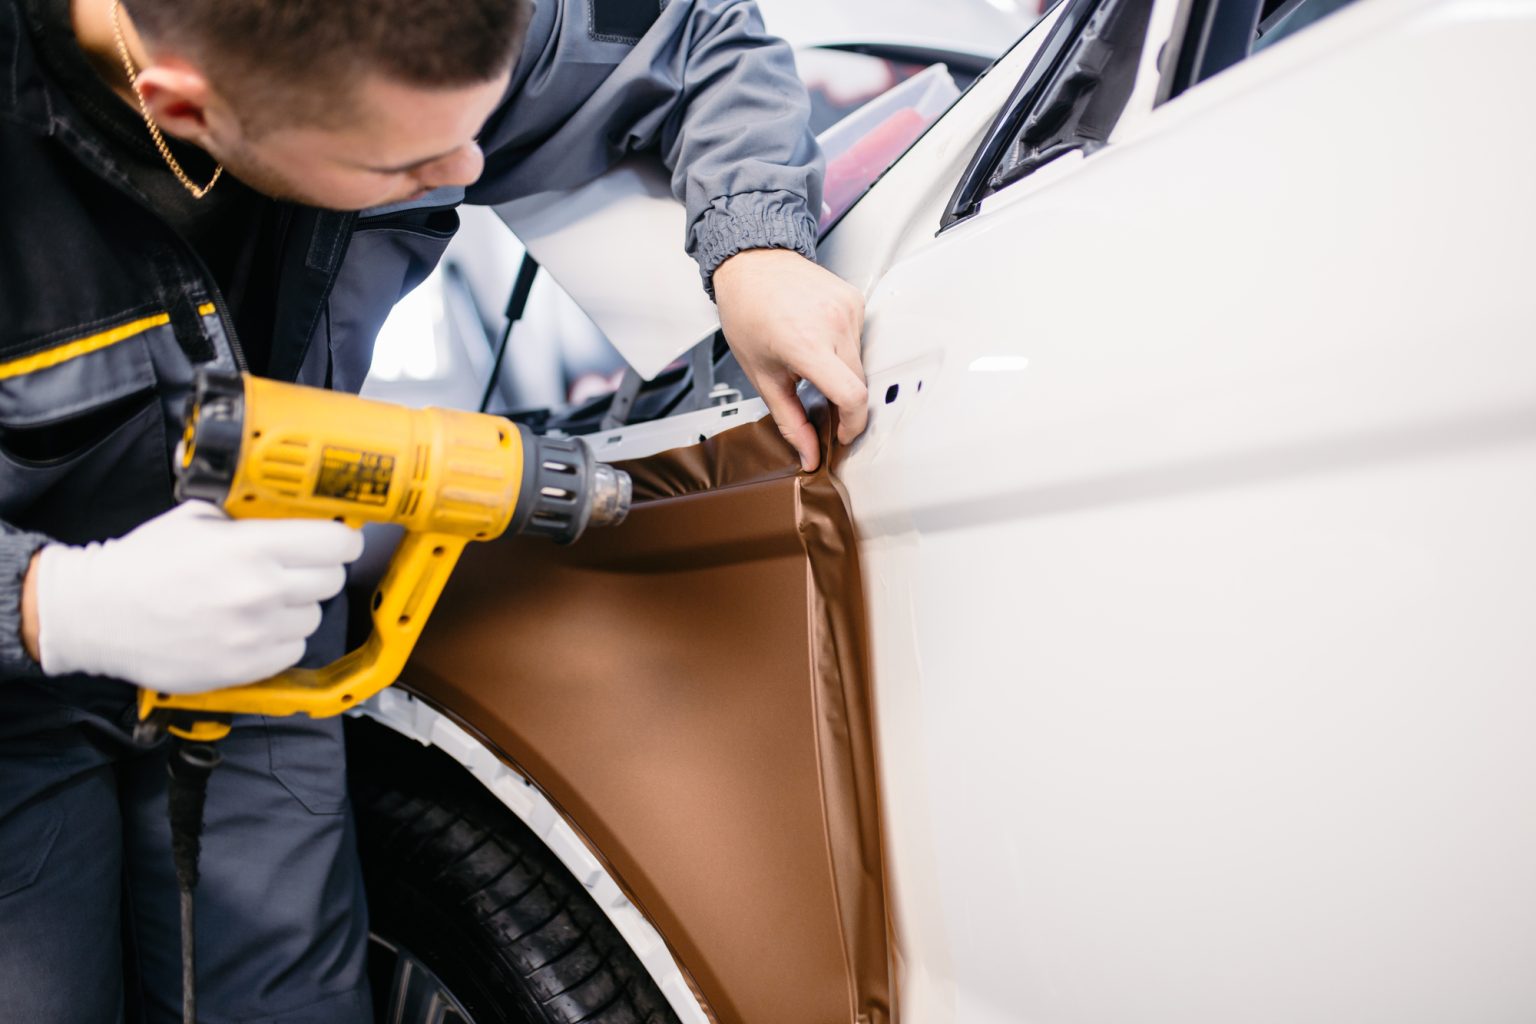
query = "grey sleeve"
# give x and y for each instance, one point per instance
(701, 83)
(16, 550)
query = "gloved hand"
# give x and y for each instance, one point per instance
(191, 600)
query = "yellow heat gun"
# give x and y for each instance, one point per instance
(261, 448)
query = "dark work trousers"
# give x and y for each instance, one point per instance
(89, 925)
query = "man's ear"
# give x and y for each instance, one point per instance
(178, 98)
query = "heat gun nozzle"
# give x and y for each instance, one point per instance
(565, 490)
(612, 492)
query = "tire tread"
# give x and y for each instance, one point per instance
(547, 941)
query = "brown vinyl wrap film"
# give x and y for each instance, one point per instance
(691, 689)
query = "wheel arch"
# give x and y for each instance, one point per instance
(414, 719)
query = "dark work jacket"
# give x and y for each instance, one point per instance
(106, 313)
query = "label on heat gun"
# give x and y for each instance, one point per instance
(350, 474)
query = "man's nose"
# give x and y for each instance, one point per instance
(461, 167)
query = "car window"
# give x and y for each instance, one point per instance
(867, 142)
(1291, 17)
(1068, 100)
(1216, 34)
(841, 81)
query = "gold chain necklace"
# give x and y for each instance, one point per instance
(149, 122)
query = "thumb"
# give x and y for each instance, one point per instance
(784, 405)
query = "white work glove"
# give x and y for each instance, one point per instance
(191, 600)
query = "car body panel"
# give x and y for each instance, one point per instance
(1199, 568)
(690, 689)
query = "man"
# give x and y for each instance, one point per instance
(176, 178)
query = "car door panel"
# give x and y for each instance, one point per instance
(1196, 575)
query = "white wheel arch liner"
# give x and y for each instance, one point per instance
(419, 721)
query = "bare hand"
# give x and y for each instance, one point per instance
(29, 630)
(788, 320)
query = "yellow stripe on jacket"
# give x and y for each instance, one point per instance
(90, 343)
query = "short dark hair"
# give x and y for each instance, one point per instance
(323, 43)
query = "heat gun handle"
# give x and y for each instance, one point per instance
(401, 605)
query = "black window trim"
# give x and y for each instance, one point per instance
(966, 199)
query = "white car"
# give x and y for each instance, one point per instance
(1164, 650)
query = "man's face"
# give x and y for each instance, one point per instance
(399, 142)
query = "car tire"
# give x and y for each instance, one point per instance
(472, 917)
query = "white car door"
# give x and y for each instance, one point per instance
(1196, 511)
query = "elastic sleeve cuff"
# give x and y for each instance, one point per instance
(16, 551)
(750, 220)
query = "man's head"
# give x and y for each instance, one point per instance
(345, 104)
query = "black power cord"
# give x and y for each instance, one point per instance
(517, 302)
(189, 766)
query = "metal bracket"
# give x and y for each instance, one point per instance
(623, 400)
(701, 359)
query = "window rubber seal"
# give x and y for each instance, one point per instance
(966, 198)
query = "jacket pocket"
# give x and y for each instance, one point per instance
(83, 448)
(72, 378)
